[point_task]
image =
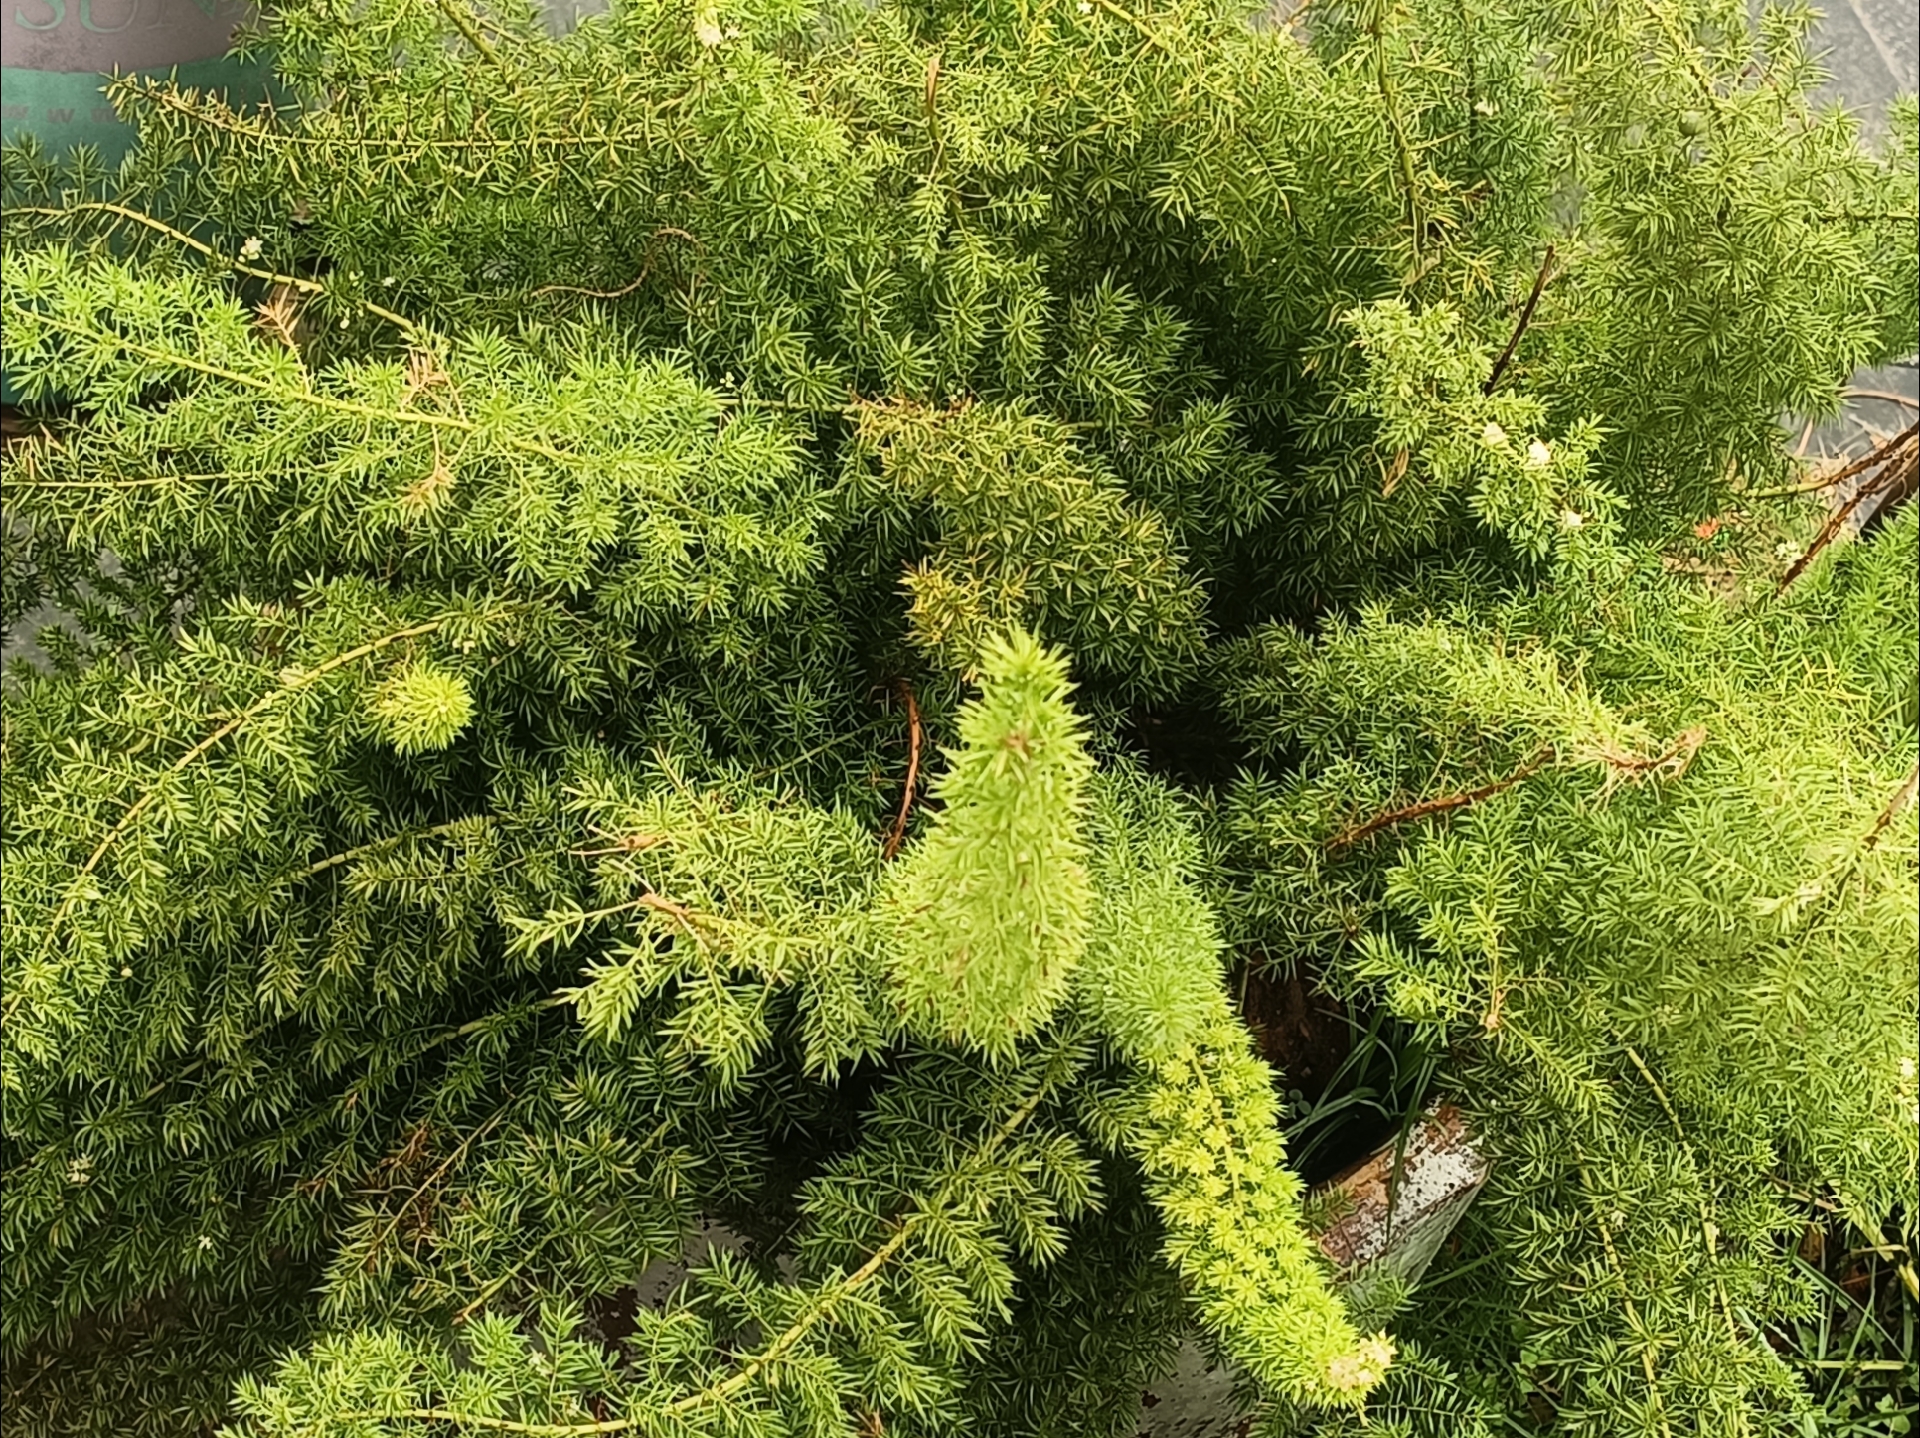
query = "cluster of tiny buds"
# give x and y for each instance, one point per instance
(1539, 456)
(1539, 453)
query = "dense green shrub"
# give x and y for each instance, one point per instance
(738, 615)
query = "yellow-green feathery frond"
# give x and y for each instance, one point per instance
(991, 909)
(1207, 1141)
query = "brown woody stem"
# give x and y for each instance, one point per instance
(1520, 327)
(899, 833)
(1901, 798)
(1894, 462)
(1427, 808)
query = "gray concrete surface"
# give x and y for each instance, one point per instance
(1872, 50)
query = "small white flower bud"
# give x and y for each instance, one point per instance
(1538, 455)
(1493, 435)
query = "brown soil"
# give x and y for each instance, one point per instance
(1300, 1030)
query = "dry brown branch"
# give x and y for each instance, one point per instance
(1520, 328)
(1895, 463)
(628, 288)
(381, 1239)
(665, 231)
(1846, 471)
(1886, 396)
(423, 373)
(1427, 808)
(672, 908)
(1672, 762)
(1395, 474)
(279, 315)
(1901, 798)
(899, 833)
(423, 496)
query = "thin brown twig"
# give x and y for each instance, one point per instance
(1828, 532)
(630, 286)
(380, 1242)
(1888, 396)
(899, 834)
(1790, 490)
(1426, 808)
(279, 316)
(1895, 459)
(1520, 327)
(673, 909)
(1674, 761)
(1847, 470)
(1391, 477)
(1901, 798)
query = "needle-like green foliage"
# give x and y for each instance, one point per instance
(742, 615)
(992, 907)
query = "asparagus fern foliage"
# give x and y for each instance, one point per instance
(741, 615)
